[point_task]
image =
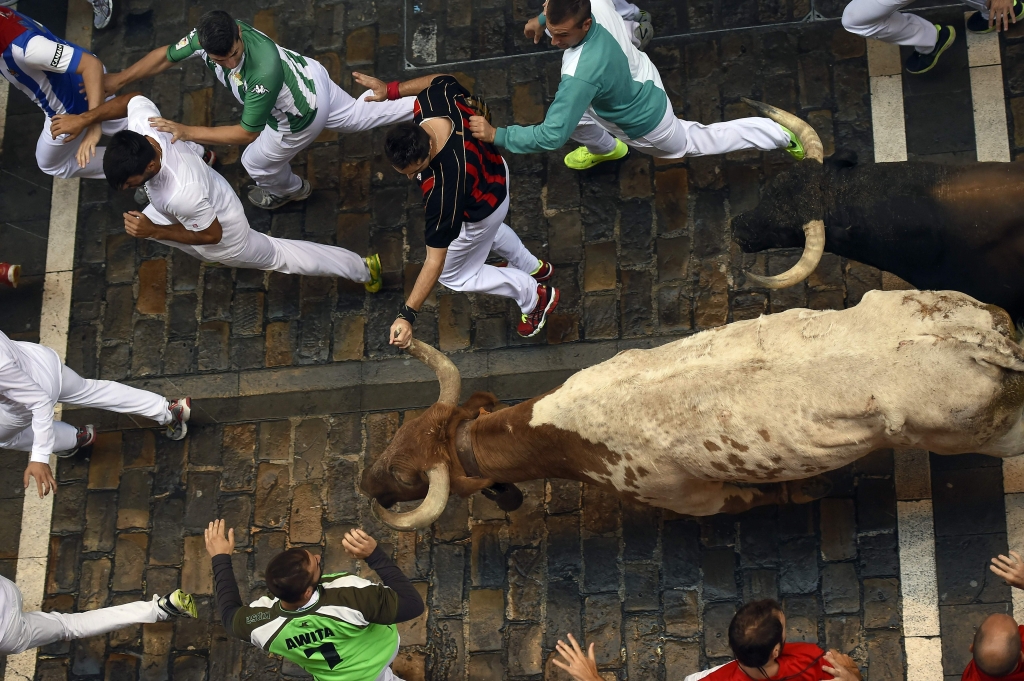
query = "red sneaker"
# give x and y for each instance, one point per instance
(209, 157)
(547, 300)
(543, 272)
(85, 436)
(10, 274)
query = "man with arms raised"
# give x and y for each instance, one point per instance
(194, 209)
(287, 101)
(337, 627)
(611, 98)
(465, 188)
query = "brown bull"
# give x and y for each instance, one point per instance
(724, 420)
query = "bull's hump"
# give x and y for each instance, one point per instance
(790, 394)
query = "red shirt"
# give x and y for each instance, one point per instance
(798, 662)
(972, 673)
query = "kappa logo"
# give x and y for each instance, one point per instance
(57, 55)
(259, 89)
(258, 617)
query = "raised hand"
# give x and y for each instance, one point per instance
(1009, 568)
(219, 542)
(358, 544)
(379, 87)
(580, 667)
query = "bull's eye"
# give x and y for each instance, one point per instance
(407, 478)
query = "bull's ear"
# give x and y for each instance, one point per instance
(480, 400)
(464, 486)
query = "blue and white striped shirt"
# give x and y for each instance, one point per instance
(41, 65)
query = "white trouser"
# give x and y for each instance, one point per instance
(262, 252)
(882, 20)
(17, 434)
(465, 268)
(29, 630)
(58, 159)
(676, 138)
(268, 158)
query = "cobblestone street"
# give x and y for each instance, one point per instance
(296, 388)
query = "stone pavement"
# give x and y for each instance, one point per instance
(643, 254)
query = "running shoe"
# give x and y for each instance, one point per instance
(181, 411)
(918, 63)
(581, 159)
(795, 147)
(142, 196)
(373, 264)
(85, 436)
(979, 24)
(261, 198)
(178, 604)
(209, 157)
(102, 11)
(544, 271)
(10, 274)
(547, 300)
(644, 30)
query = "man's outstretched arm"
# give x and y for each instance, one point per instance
(408, 88)
(73, 124)
(140, 226)
(154, 63)
(220, 545)
(360, 545)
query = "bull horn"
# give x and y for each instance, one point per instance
(447, 373)
(801, 128)
(814, 246)
(427, 512)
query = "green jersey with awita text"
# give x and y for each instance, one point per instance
(274, 85)
(345, 634)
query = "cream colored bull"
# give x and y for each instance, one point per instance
(691, 424)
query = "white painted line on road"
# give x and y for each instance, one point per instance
(55, 317)
(887, 124)
(1013, 488)
(991, 135)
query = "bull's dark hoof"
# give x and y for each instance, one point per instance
(506, 495)
(806, 491)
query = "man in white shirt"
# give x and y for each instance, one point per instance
(33, 381)
(193, 208)
(21, 631)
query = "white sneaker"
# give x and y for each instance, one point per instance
(102, 10)
(644, 30)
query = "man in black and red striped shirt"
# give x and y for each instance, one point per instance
(465, 196)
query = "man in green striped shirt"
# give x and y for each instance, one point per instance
(287, 101)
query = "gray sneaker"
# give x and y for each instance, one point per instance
(261, 198)
(102, 10)
(142, 196)
(85, 437)
(644, 30)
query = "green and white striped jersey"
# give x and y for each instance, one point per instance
(274, 85)
(344, 634)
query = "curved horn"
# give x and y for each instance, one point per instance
(427, 512)
(447, 373)
(814, 246)
(812, 143)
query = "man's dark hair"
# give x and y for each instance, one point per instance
(406, 144)
(754, 632)
(289, 574)
(217, 33)
(559, 11)
(127, 155)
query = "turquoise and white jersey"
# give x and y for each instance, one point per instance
(605, 76)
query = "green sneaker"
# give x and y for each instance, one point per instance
(581, 159)
(918, 63)
(178, 604)
(796, 147)
(373, 264)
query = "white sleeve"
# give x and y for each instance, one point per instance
(47, 55)
(192, 208)
(18, 386)
(140, 110)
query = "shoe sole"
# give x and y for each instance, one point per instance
(596, 163)
(373, 286)
(286, 201)
(935, 61)
(552, 304)
(188, 605)
(539, 280)
(186, 414)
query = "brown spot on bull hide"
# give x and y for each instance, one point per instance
(764, 435)
(1001, 320)
(711, 446)
(943, 305)
(735, 445)
(777, 459)
(740, 466)
(629, 478)
(719, 466)
(642, 471)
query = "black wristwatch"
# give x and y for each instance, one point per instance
(407, 313)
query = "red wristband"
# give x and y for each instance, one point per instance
(393, 91)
